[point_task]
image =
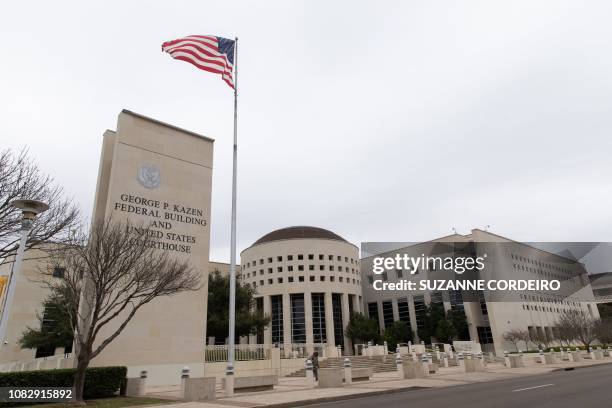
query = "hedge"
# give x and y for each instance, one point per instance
(100, 382)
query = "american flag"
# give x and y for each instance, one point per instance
(207, 52)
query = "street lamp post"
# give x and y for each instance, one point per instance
(29, 210)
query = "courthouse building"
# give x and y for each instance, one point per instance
(308, 281)
(489, 315)
(602, 287)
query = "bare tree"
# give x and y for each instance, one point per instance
(566, 332)
(540, 339)
(524, 337)
(513, 336)
(580, 325)
(107, 277)
(20, 177)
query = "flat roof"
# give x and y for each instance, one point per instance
(159, 122)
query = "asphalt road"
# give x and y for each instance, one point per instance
(580, 388)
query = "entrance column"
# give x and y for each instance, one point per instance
(308, 319)
(267, 304)
(287, 340)
(346, 317)
(357, 304)
(329, 320)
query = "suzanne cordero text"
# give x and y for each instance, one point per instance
(473, 284)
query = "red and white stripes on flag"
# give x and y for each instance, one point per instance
(206, 52)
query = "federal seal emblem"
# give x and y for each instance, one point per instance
(149, 176)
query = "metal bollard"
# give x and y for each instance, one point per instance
(348, 375)
(399, 366)
(460, 359)
(309, 372)
(184, 377)
(425, 363)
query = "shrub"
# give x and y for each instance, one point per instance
(100, 382)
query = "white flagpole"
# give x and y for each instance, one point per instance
(229, 381)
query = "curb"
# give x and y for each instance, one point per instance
(579, 367)
(342, 397)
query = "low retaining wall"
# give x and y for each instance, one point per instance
(280, 368)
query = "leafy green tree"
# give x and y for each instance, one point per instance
(459, 320)
(55, 329)
(434, 313)
(445, 331)
(444, 326)
(248, 321)
(398, 332)
(362, 329)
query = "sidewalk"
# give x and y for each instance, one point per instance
(294, 392)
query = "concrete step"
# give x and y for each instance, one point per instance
(378, 364)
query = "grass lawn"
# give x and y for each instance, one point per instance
(116, 402)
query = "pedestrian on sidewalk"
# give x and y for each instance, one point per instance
(315, 364)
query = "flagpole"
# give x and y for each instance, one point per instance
(232, 290)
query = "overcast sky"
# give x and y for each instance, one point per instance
(382, 121)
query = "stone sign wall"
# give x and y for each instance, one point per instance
(156, 174)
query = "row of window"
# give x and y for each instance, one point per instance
(540, 264)
(300, 268)
(300, 257)
(312, 278)
(549, 299)
(539, 271)
(550, 309)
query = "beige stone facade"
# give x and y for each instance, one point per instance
(487, 320)
(27, 305)
(157, 174)
(308, 281)
(154, 174)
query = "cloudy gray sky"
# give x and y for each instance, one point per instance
(382, 121)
